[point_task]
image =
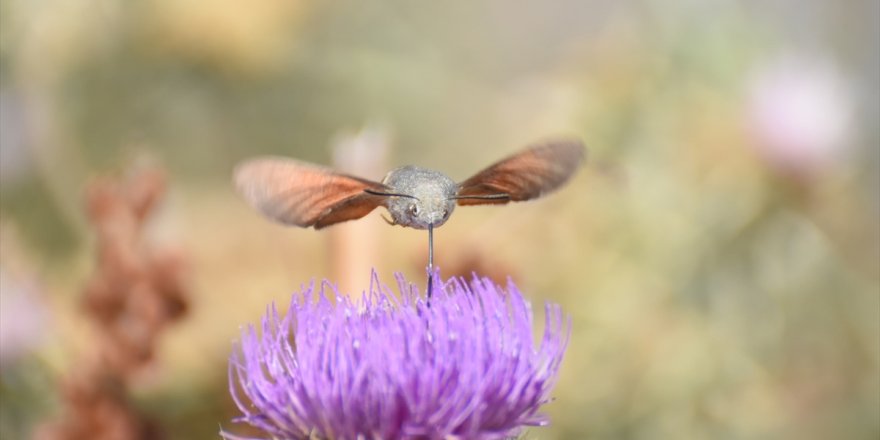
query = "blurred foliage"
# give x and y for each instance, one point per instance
(715, 293)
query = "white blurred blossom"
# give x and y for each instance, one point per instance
(23, 318)
(800, 113)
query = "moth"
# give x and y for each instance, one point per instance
(302, 194)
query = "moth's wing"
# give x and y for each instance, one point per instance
(352, 208)
(526, 175)
(302, 194)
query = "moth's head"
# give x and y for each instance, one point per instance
(420, 213)
(422, 197)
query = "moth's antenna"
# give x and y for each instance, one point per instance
(387, 194)
(486, 197)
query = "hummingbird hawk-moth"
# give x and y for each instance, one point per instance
(297, 193)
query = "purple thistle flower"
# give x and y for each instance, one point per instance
(464, 367)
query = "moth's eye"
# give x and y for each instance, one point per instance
(445, 212)
(414, 209)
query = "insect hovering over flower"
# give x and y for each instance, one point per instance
(297, 193)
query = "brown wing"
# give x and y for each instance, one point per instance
(302, 194)
(525, 175)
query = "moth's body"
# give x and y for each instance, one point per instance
(306, 195)
(431, 197)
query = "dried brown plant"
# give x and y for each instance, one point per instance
(134, 293)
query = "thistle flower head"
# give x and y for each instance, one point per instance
(465, 366)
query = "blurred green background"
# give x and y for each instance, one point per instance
(719, 253)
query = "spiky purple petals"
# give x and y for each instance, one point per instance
(387, 368)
